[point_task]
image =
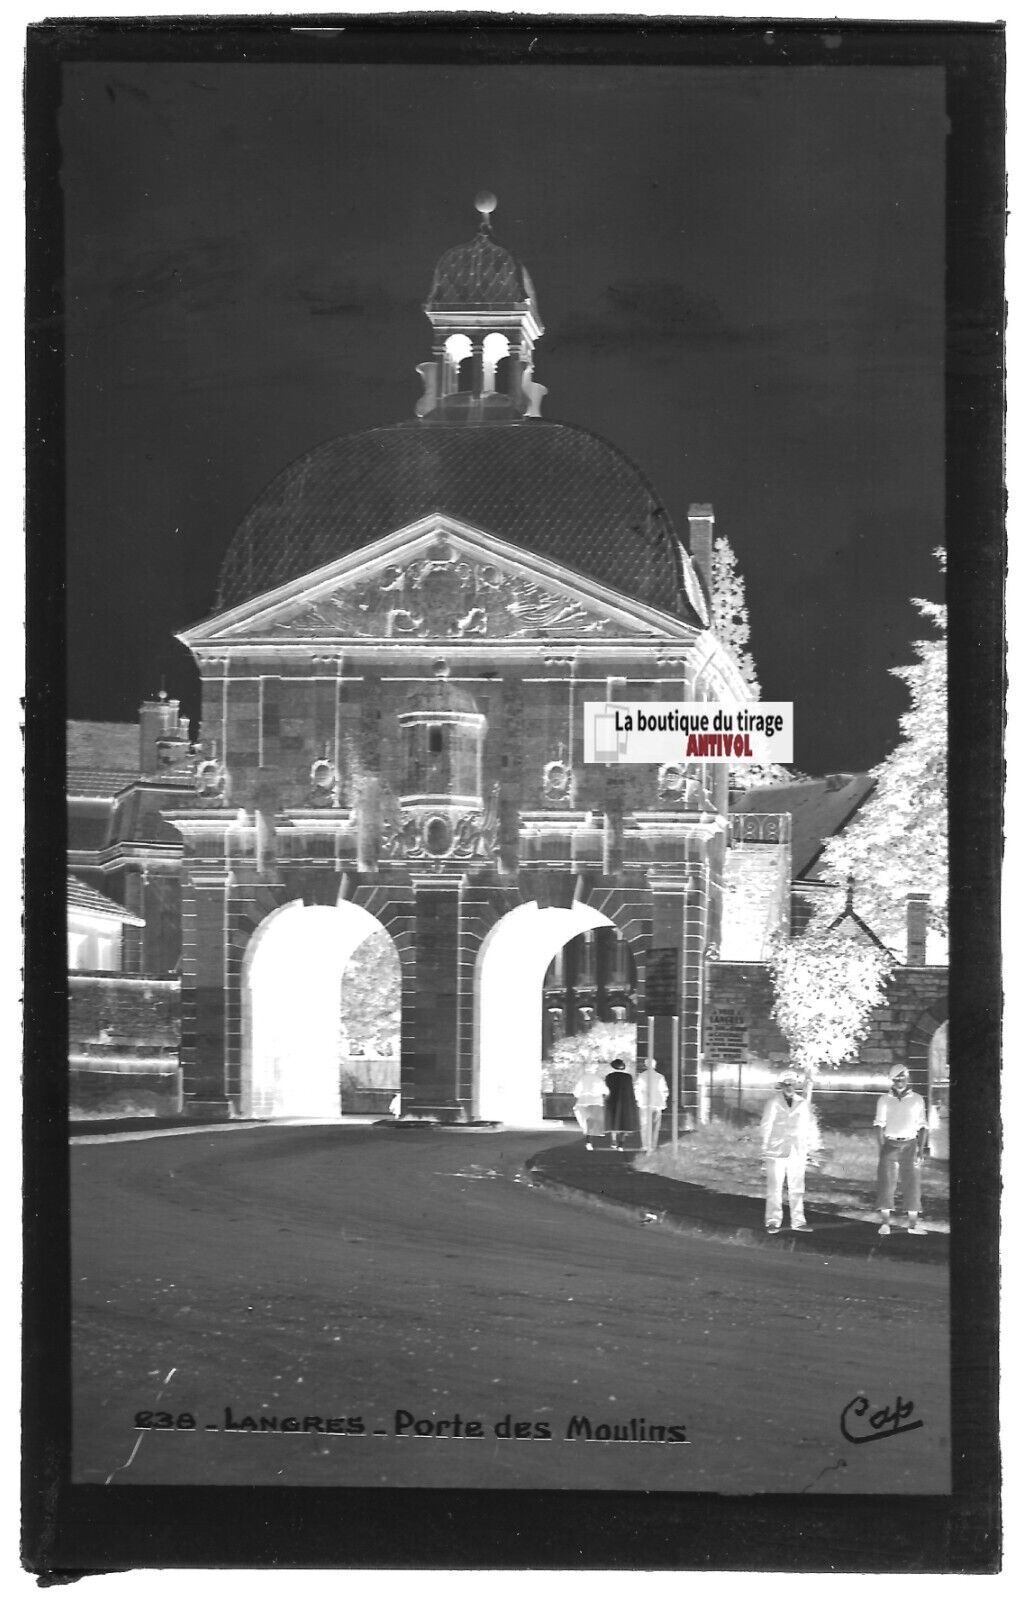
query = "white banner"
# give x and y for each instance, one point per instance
(654, 732)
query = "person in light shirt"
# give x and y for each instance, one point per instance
(901, 1123)
(786, 1133)
(651, 1098)
(590, 1093)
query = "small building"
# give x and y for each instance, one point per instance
(95, 929)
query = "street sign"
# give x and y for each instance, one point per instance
(662, 982)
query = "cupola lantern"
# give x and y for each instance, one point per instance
(485, 320)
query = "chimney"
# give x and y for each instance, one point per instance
(701, 543)
(163, 734)
(917, 908)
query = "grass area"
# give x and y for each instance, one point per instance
(725, 1156)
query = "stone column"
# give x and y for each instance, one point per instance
(203, 922)
(518, 361)
(429, 1078)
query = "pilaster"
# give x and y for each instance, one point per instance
(204, 912)
(430, 1055)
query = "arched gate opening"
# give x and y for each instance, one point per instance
(299, 1022)
(510, 970)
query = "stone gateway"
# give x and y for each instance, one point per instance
(408, 624)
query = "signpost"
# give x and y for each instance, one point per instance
(662, 1001)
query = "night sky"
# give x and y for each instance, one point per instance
(740, 271)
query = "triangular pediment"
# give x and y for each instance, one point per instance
(439, 580)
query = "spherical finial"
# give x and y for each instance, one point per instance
(485, 203)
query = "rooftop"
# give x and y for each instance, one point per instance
(819, 808)
(94, 783)
(477, 275)
(83, 897)
(546, 486)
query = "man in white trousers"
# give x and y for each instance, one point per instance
(651, 1098)
(902, 1131)
(786, 1130)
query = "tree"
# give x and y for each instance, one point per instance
(826, 985)
(601, 1043)
(371, 994)
(828, 982)
(897, 844)
(729, 614)
(730, 620)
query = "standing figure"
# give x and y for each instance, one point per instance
(651, 1098)
(622, 1115)
(901, 1123)
(589, 1103)
(786, 1129)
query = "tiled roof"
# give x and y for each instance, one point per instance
(103, 746)
(819, 809)
(550, 488)
(92, 783)
(476, 275)
(83, 897)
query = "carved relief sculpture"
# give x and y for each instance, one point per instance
(441, 596)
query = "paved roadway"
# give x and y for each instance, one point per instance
(359, 1273)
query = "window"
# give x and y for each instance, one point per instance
(436, 741)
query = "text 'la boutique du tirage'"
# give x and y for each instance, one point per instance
(655, 732)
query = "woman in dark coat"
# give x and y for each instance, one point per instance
(621, 1114)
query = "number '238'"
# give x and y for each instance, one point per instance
(164, 1419)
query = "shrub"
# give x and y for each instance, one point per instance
(601, 1044)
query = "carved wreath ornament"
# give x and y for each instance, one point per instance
(211, 779)
(557, 781)
(443, 834)
(323, 776)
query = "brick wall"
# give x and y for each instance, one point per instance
(739, 1031)
(124, 1038)
(278, 723)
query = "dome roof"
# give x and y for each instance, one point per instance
(545, 486)
(475, 275)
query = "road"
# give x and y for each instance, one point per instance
(380, 1279)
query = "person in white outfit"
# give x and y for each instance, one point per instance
(651, 1098)
(590, 1093)
(902, 1130)
(786, 1130)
